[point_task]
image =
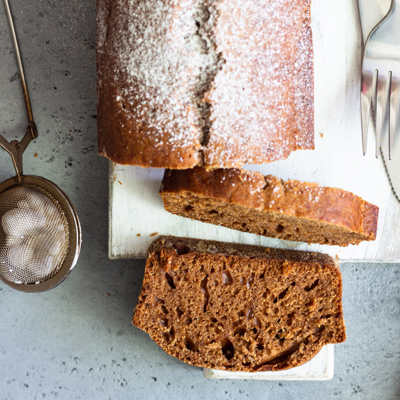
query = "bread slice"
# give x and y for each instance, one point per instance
(249, 202)
(239, 307)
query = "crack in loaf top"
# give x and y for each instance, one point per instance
(161, 81)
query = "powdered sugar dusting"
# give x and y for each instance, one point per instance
(156, 70)
(304, 86)
(165, 60)
(252, 97)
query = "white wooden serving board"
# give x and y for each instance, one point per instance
(320, 368)
(337, 161)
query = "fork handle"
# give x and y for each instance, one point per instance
(372, 12)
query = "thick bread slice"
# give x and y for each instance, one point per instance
(249, 202)
(239, 307)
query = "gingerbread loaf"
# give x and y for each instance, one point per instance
(266, 205)
(204, 82)
(239, 307)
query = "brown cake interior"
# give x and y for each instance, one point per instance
(237, 307)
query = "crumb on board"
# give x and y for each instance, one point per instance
(36, 154)
(138, 234)
(120, 182)
(114, 177)
(153, 234)
(321, 134)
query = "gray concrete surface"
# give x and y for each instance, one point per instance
(77, 341)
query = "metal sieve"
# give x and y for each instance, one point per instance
(40, 234)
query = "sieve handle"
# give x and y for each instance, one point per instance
(16, 148)
(32, 125)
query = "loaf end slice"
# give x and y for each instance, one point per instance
(289, 210)
(239, 307)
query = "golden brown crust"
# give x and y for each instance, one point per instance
(238, 307)
(130, 132)
(370, 215)
(307, 211)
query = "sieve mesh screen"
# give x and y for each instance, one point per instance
(34, 235)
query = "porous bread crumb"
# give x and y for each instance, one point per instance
(238, 307)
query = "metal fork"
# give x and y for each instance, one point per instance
(380, 79)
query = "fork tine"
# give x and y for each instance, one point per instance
(367, 85)
(374, 97)
(394, 114)
(386, 106)
(382, 104)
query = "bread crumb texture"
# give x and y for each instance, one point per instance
(238, 307)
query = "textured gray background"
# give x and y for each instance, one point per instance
(77, 341)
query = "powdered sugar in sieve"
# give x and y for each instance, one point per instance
(34, 235)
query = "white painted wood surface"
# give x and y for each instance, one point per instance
(320, 368)
(337, 161)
